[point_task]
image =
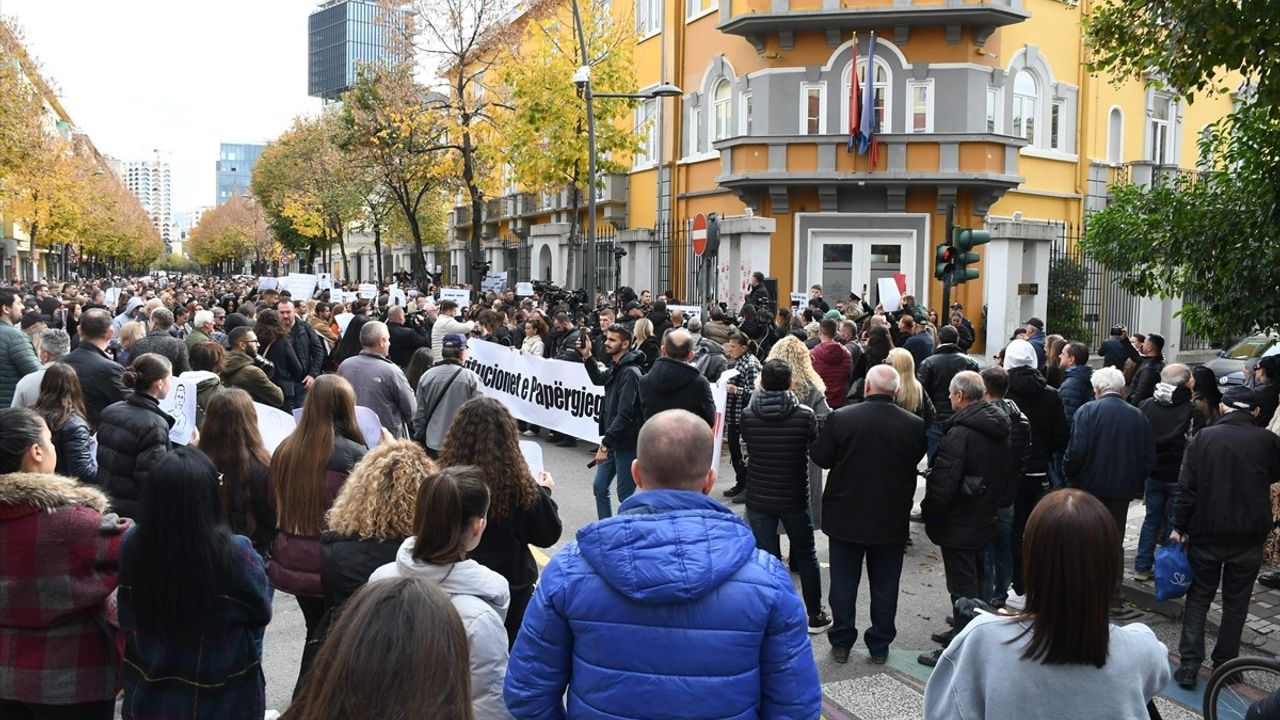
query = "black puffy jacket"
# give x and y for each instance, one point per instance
(1170, 418)
(133, 435)
(936, 372)
(620, 415)
(1019, 446)
(777, 430)
(75, 458)
(968, 479)
(346, 562)
(1043, 408)
(672, 384)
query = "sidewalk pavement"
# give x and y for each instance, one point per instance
(1262, 626)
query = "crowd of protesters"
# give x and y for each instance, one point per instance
(158, 562)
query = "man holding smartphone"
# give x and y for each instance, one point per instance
(619, 417)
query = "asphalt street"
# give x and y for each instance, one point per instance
(857, 690)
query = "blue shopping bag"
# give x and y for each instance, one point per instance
(1173, 571)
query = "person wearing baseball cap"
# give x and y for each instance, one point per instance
(441, 391)
(1035, 336)
(1223, 508)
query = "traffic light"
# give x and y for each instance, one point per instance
(963, 241)
(946, 264)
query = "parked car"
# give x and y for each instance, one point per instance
(1236, 363)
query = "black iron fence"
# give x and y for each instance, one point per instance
(1085, 297)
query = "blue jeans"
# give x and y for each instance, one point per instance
(1157, 523)
(932, 439)
(1056, 474)
(617, 464)
(999, 559)
(799, 527)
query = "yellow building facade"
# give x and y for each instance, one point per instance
(984, 106)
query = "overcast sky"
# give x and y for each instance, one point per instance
(176, 75)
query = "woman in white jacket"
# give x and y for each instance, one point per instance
(450, 519)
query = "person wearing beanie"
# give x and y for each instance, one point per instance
(1043, 409)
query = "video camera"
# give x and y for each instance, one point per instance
(552, 294)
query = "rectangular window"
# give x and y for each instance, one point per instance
(745, 124)
(1024, 118)
(695, 131)
(1055, 126)
(813, 120)
(1160, 128)
(647, 126)
(648, 17)
(921, 94)
(993, 109)
(695, 9)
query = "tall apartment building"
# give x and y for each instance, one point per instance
(985, 106)
(342, 35)
(149, 181)
(235, 168)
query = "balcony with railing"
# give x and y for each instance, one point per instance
(986, 164)
(756, 19)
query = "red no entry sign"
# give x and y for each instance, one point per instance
(699, 235)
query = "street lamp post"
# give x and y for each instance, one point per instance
(583, 78)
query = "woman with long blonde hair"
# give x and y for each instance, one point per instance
(308, 471)
(911, 394)
(521, 511)
(810, 390)
(643, 340)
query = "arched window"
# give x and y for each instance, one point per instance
(1026, 95)
(1115, 136)
(721, 110)
(882, 88)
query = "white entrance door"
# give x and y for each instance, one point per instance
(845, 261)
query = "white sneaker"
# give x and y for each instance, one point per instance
(1014, 601)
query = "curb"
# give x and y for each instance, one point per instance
(1258, 635)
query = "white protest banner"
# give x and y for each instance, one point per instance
(687, 310)
(552, 393)
(180, 404)
(325, 281)
(299, 285)
(524, 289)
(720, 395)
(532, 452)
(343, 320)
(496, 282)
(368, 291)
(113, 297)
(274, 424)
(890, 296)
(801, 299)
(397, 295)
(268, 283)
(461, 296)
(370, 426)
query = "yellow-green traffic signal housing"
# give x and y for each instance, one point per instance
(964, 240)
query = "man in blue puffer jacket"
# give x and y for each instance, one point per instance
(666, 610)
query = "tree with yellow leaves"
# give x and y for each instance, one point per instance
(233, 232)
(309, 188)
(394, 132)
(545, 129)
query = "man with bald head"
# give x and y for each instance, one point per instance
(674, 382)
(866, 507)
(672, 590)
